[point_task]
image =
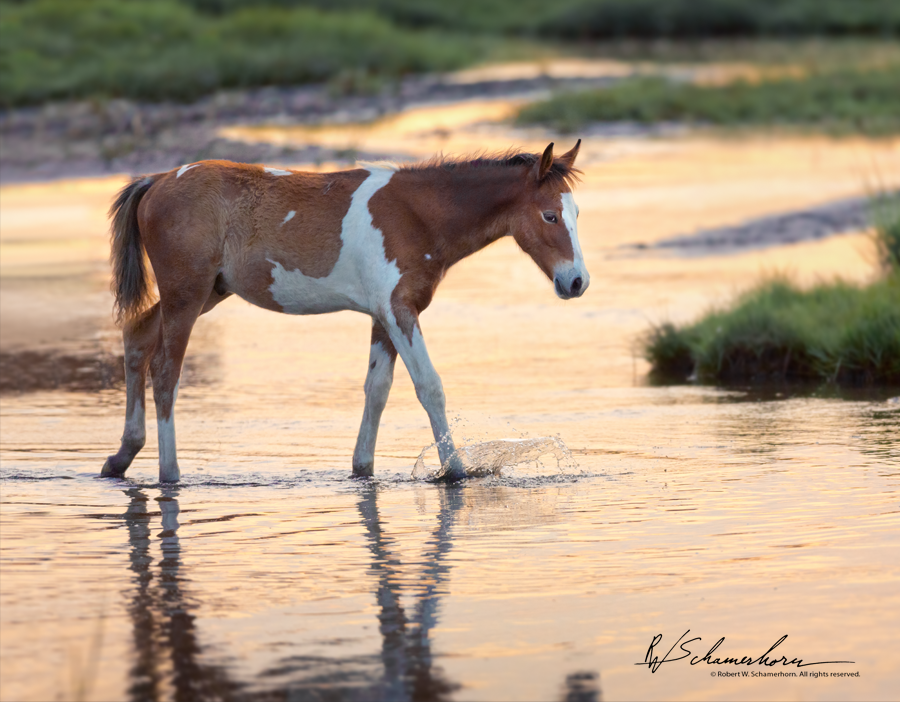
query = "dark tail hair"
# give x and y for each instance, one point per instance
(130, 278)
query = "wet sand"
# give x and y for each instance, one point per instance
(268, 574)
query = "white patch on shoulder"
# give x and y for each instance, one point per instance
(288, 217)
(427, 257)
(276, 171)
(185, 169)
(361, 280)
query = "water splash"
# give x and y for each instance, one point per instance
(491, 457)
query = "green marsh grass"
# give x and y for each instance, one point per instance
(183, 49)
(836, 332)
(847, 101)
(605, 19)
(166, 50)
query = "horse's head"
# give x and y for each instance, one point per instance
(546, 226)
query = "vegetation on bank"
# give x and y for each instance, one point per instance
(606, 19)
(836, 332)
(860, 101)
(166, 50)
(184, 49)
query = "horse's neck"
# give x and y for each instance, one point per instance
(473, 209)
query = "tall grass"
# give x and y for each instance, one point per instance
(835, 331)
(866, 101)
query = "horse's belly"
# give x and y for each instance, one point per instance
(296, 293)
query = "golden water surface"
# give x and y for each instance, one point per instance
(269, 574)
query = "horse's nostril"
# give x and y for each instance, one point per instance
(576, 284)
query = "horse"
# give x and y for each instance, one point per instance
(376, 239)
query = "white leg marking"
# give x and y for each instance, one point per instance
(288, 217)
(362, 279)
(185, 169)
(428, 385)
(378, 386)
(166, 429)
(168, 459)
(277, 171)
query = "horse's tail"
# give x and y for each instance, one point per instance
(131, 284)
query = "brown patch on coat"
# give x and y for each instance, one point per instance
(310, 241)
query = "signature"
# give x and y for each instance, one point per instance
(653, 661)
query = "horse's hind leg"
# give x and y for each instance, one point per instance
(378, 386)
(178, 318)
(141, 337)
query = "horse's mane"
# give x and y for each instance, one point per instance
(560, 172)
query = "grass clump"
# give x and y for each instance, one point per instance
(836, 332)
(846, 101)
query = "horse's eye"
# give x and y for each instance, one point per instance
(549, 217)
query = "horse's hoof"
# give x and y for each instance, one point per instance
(366, 470)
(454, 476)
(110, 470)
(169, 475)
(455, 470)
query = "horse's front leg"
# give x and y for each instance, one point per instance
(411, 347)
(378, 386)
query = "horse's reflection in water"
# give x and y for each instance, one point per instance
(409, 672)
(167, 662)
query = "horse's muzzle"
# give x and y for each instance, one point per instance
(571, 283)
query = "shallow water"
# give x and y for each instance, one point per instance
(269, 574)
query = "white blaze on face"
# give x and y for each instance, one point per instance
(362, 279)
(570, 218)
(565, 272)
(288, 217)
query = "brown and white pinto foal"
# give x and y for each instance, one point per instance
(376, 239)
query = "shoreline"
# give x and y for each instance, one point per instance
(89, 138)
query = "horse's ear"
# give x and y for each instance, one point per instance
(543, 166)
(569, 157)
